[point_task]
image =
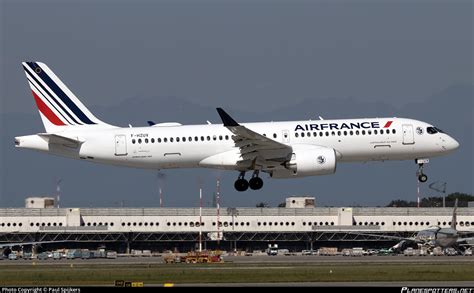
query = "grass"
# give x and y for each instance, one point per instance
(90, 274)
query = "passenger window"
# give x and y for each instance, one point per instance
(139, 140)
(177, 139)
(296, 134)
(196, 138)
(165, 139)
(214, 137)
(345, 133)
(375, 131)
(208, 138)
(274, 135)
(184, 139)
(333, 133)
(171, 139)
(158, 139)
(363, 132)
(339, 133)
(327, 133)
(351, 132)
(369, 132)
(226, 137)
(394, 131)
(220, 137)
(202, 138)
(302, 134)
(133, 141)
(152, 140)
(146, 140)
(190, 139)
(315, 134)
(357, 132)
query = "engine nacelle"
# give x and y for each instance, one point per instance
(308, 161)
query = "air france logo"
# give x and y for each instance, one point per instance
(321, 160)
(341, 126)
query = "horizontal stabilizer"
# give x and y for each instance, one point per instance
(59, 139)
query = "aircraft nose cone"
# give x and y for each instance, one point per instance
(452, 144)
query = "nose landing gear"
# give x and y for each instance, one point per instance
(421, 176)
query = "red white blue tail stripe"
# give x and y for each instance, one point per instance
(55, 101)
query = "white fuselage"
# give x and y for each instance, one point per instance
(176, 146)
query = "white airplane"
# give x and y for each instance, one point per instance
(282, 149)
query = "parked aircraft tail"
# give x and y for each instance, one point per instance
(453, 220)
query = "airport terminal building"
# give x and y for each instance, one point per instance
(158, 229)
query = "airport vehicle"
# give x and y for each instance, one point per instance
(282, 149)
(194, 257)
(272, 249)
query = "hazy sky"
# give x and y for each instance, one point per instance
(242, 54)
(246, 56)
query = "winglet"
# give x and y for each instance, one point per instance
(226, 119)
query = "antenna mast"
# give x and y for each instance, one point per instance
(218, 202)
(200, 219)
(58, 191)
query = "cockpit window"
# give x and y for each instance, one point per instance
(431, 130)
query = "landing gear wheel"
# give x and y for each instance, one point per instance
(241, 184)
(422, 178)
(256, 183)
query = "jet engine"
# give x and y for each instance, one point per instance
(308, 161)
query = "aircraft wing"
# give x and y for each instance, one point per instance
(2, 245)
(59, 139)
(386, 236)
(467, 239)
(255, 149)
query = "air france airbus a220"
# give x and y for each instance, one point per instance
(282, 149)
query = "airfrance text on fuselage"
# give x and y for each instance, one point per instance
(340, 126)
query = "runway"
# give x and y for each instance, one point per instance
(263, 259)
(246, 271)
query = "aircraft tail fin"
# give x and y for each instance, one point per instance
(454, 219)
(59, 108)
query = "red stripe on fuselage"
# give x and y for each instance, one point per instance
(46, 111)
(387, 125)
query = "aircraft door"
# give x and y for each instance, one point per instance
(120, 145)
(408, 135)
(285, 136)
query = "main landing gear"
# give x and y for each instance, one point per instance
(421, 176)
(255, 183)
